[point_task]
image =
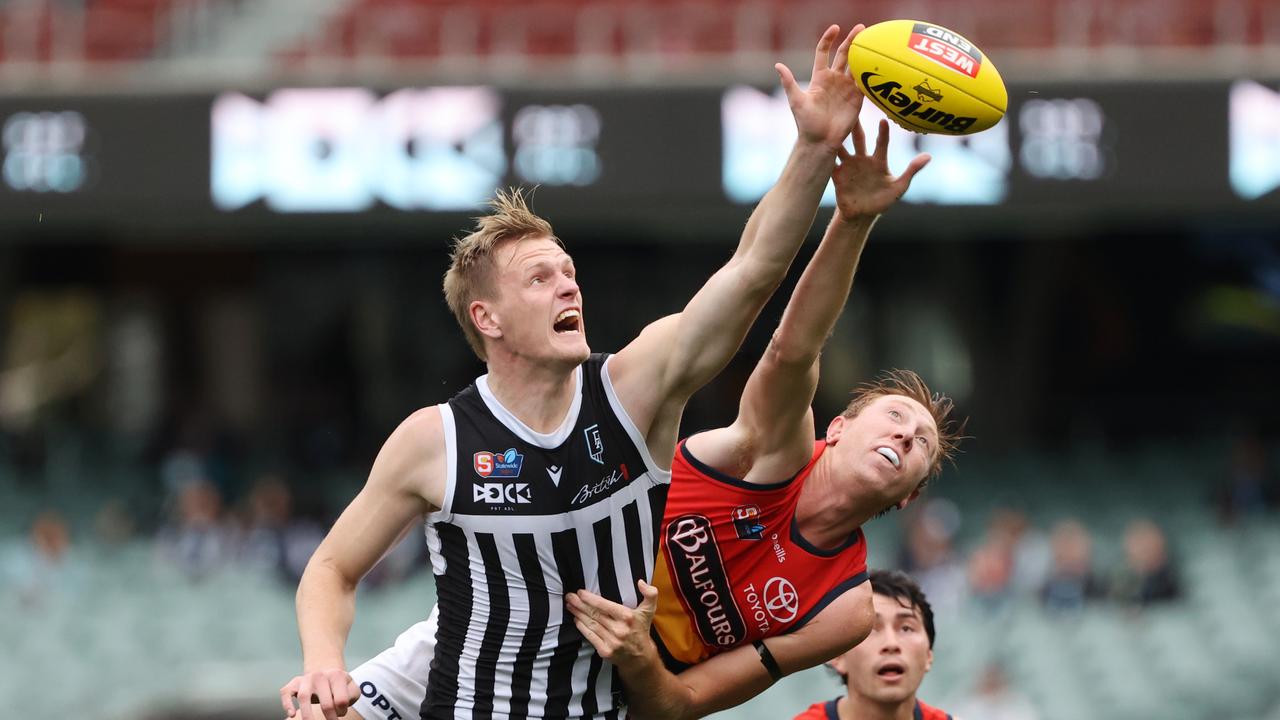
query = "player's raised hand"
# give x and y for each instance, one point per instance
(864, 185)
(827, 110)
(332, 690)
(619, 634)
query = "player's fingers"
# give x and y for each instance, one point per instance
(841, 61)
(304, 698)
(789, 85)
(286, 696)
(602, 607)
(592, 637)
(324, 698)
(341, 699)
(882, 140)
(649, 593)
(917, 164)
(822, 55)
(859, 139)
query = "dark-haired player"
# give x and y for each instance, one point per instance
(883, 672)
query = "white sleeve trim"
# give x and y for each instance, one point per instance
(660, 476)
(445, 513)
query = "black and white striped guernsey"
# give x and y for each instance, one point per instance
(528, 517)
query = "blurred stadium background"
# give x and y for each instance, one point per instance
(223, 224)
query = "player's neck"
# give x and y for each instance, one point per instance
(825, 514)
(856, 707)
(539, 395)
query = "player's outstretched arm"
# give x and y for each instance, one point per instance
(621, 635)
(774, 413)
(678, 354)
(406, 482)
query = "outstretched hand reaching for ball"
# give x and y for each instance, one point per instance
(827, 110)
(864, 185)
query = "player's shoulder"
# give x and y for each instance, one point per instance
(418, 436)
(819, 711)
(928, 712)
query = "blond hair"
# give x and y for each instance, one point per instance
(470, 274)
(909, 384)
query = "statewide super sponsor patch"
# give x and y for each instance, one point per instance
(946, 48)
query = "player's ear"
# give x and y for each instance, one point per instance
(928, 661)
(904, 502)
(484, 317)
(835, 429)
(837, 663)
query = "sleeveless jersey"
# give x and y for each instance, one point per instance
(528, 517)
(734, 567)
(828, 711)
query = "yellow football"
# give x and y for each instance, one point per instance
(927, 78)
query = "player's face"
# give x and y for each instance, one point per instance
(888, 447)
(889, 665)
(539, 305)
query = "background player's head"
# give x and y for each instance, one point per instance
(512, 287)
(890, 664)
(894, 436)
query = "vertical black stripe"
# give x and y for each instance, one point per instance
(496, 629)
(564, 545)
(657, 506)
(453, 590)
(635, 542)
(608, 576)
(539, 608)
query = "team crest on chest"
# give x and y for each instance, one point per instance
(746, 522)
(595, 444)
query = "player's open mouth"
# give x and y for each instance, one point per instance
(891, 671)
(890, 455)
(567, 322)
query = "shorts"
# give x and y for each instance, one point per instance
(393, 683)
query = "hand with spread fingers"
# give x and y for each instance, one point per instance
(332, 690)
(826, 111)
(864, 186)
(619, 634)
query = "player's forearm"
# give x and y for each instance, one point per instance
(653, 692)
(780, 222)
(822, 291)
(326, 605)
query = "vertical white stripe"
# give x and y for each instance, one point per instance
(591, 576)
(550, 635)
(518, 596)
(475, 629)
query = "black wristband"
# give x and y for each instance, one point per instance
(766, 659)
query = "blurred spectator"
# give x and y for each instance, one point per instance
(1249, 486)
(1072, 581)
(990, 569)
(43, 568)
(273, 539)
(1031, 554)
(929, 555)
(994, 699)
(1148, 575)
(114, 525)
(196, 540)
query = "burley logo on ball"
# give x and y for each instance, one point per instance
(503, 464)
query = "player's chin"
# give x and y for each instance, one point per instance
(572, 347)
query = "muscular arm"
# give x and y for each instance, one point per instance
(775, 421)
(725, 680)
(406, 481)
(657, 372)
